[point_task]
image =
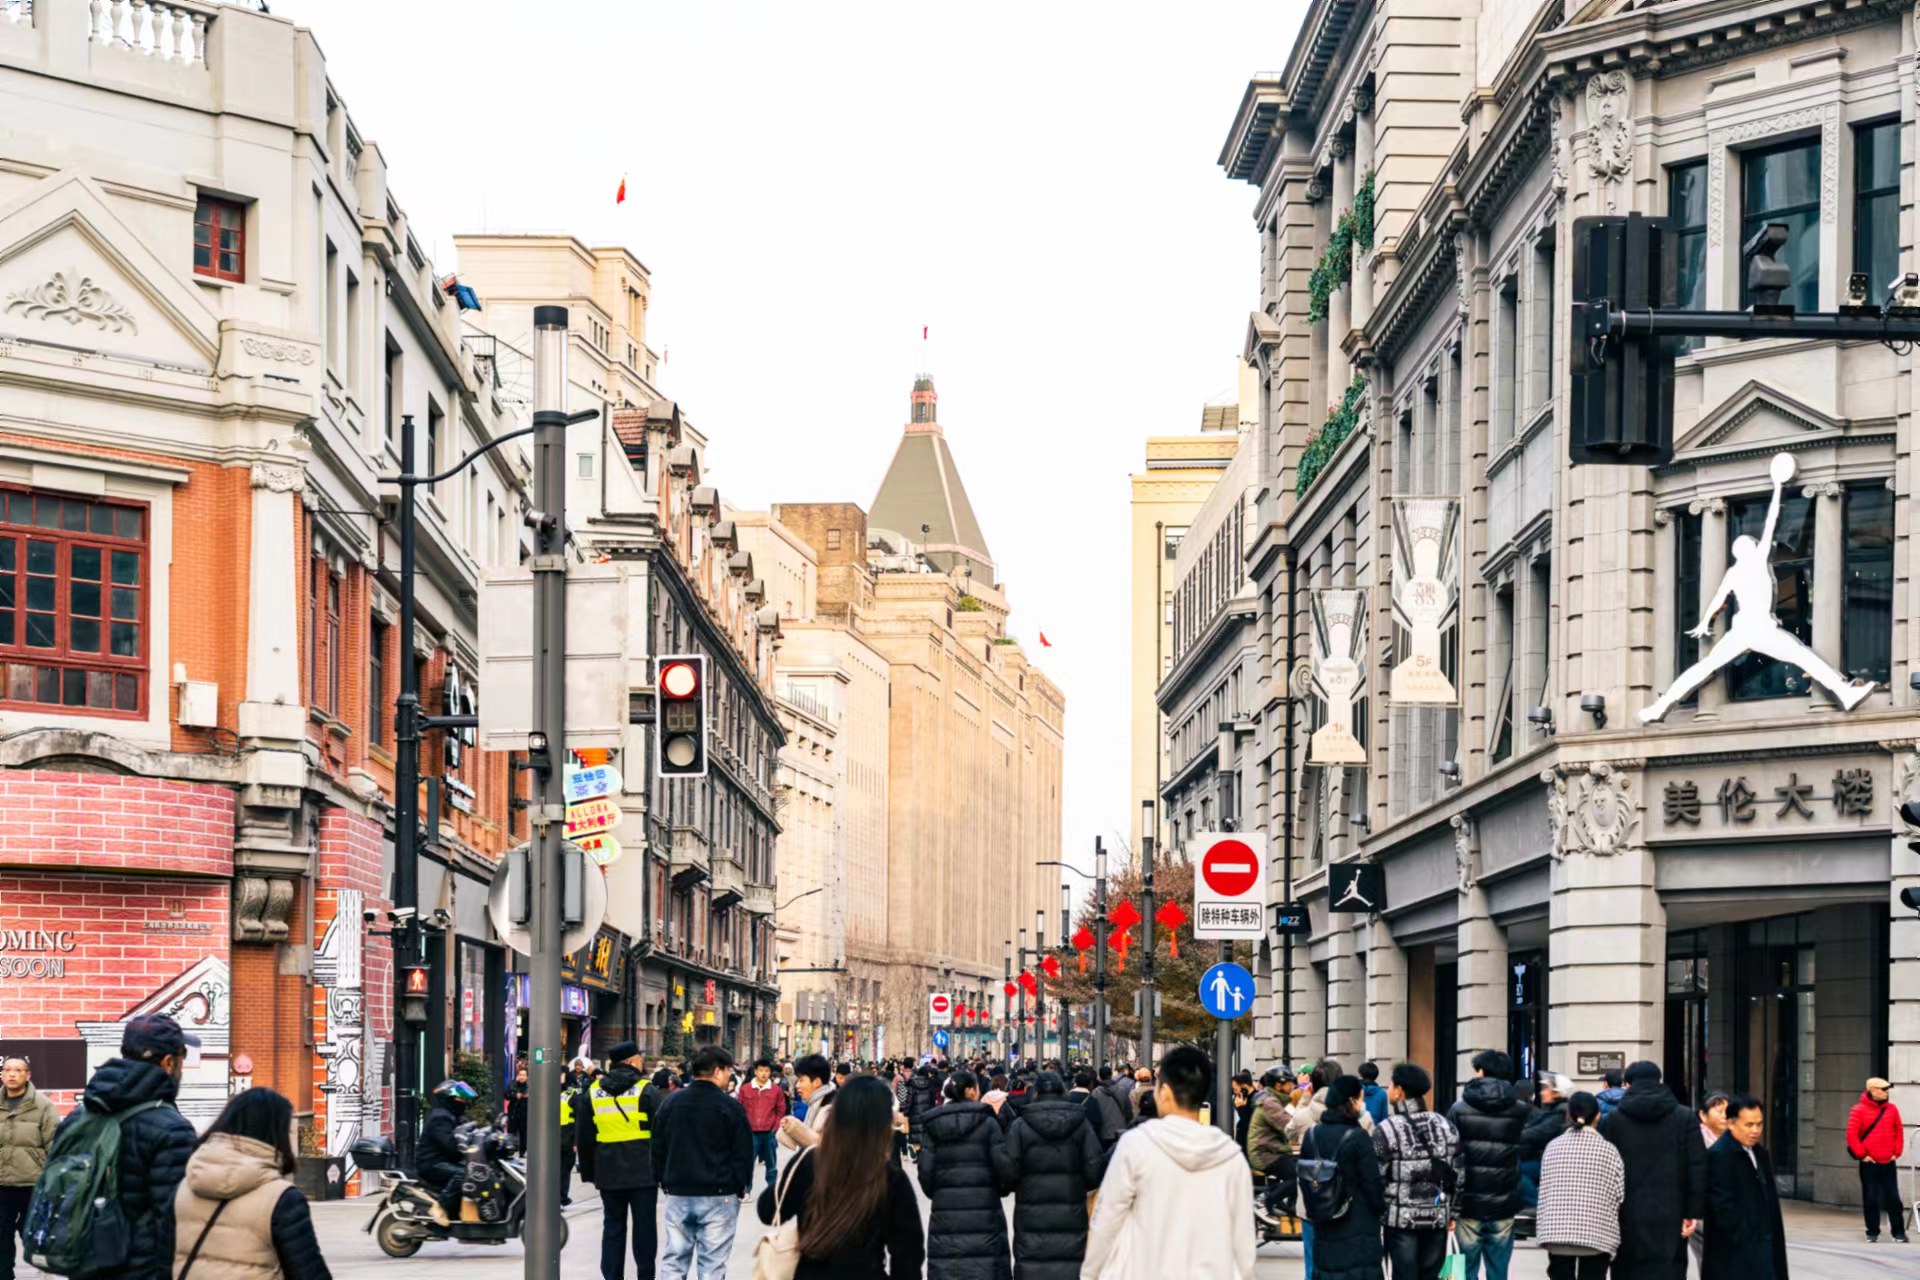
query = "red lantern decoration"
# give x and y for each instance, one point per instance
(1012, 991)
(1028, 983)
(1083, 941)
(1124, 916)
(1172, 917)
(1051, 967)
(1120, 940)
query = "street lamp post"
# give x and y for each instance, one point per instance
(1021, 1041)
(1066, 1005)
(1006, 1011)
(1147, 831)
(1099, 878)
(1039, 991)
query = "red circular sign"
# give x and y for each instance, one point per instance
(1230, 868)
(940, 1004)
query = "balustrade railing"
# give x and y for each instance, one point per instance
(169, 32)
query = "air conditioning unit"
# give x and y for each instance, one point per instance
(199, 704)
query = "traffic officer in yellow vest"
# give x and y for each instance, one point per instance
(573, 1094)
(613, 1126)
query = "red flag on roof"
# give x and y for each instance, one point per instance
(620, 196)
(1044, 642)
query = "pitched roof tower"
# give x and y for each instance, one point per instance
(922, 499)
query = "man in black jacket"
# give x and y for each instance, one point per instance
(1490, 1119)
(703, 1161)
(154, 1142)
(1745, 1237)
(613, 1119)
(1659, 1142)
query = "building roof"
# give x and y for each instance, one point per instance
(923, 499)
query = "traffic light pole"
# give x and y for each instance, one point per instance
(546, 746)
(1599, 320)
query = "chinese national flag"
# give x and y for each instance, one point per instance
(620, 196)
(1044, 642)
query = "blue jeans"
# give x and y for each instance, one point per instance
(1491, 1241)
(1306, 1243)
(766, 1151)
(697, 1223)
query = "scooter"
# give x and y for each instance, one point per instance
(495, 1187)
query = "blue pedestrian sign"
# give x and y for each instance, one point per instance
(940, 1038)
(1226, 991)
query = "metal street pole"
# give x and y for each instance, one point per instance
(547, 745)
(1099, 954)
(406, 824)
(1021, 1041)
(1006, 1007)
(1223, 1116)
(1066, 1005)
(1147, 833)
(1039, 990)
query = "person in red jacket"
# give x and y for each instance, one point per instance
(1876, 1140)
(766, 1104)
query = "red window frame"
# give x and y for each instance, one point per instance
(85, 682)
(220, 239)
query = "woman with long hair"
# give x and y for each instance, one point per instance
(863, 1224)
(963, 1167)
(237, 1213)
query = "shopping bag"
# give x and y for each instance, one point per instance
(1455, 1265)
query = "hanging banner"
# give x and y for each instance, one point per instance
(1339, 673)
(1426, 594)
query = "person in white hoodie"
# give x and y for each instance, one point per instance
(1176, 1199)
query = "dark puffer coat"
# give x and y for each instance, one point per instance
(1054, 1158)
(1666, 1163)
(963, 1165)
(1543, 1126)
(1348, 1248)
(1490, 1120)
(154, 1147)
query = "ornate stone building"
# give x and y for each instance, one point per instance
(1566, 878)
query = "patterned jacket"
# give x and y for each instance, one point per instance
(1414, 1144)
(1582, 1186)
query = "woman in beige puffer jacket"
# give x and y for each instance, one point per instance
(237, 1215)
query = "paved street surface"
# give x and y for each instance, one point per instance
(1825, 1244)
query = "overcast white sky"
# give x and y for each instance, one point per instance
(811, 183)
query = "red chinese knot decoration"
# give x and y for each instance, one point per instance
(1172, 917)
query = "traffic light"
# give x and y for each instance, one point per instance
(680, 729)
(1622, 394)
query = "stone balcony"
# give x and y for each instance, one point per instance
(758, 900)
(729, 879)
(687, 857)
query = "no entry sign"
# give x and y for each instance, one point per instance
(940, 1009)
(1230, 898)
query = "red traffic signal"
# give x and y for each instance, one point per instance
(680, 729)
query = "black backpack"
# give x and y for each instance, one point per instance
(1323, 1191)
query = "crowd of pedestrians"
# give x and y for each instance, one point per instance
(1114, 1174)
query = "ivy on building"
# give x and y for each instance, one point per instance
(970, 604)
(1342, 418)
(1352, 230)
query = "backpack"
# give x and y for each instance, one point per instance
(75, 1225)
(1321, 1186)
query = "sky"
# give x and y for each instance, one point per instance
(810, 185)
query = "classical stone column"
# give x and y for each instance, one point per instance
(1903, 978)
(1713, 564)
(1607, 944)
(1829, 573)
(1346, 998)
(271, 705)
(1482, 948)
(1339, 320)
(1386, 997)
(1362, 165)
(1665, 558)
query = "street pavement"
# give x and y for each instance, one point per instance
(1823, 1244)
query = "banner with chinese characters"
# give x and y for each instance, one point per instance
(1770, 797)
(1339, 673)
(1426, 594)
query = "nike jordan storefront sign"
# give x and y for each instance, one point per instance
(1357, 887)
(1754, 628)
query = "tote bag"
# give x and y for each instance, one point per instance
(777, 1255)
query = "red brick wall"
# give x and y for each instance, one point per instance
(133, 935)
(350, 859)
(103, 822)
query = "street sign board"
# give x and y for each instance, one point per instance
(591, 782)
(591, 817)
(941, 1039)
(1226, 991)
(1230, 894)
(940, 1009)
(1357, 887)
(1290, 920)
(603, 849)
(1601, 1061)
(501, 895)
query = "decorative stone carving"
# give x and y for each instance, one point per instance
(1363, 101)
(261, 907)
(1466, 851)
(68, 295)
(1462, 284)
(281, 352)
(1824, 489)
(1594, 812)
(1557, 147)
(280, 477)
(1908, 788)
(1316, 190)
(1610, 131)
(1826, 118)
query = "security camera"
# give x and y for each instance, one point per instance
(1910, 898)
(370, 916)
(440, 919)
(1903, 292)
(1767, 279)
(1541, 718)
(401, 914)
(1595, 705)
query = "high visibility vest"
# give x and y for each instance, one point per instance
(618, 1118)
(566, 1108)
